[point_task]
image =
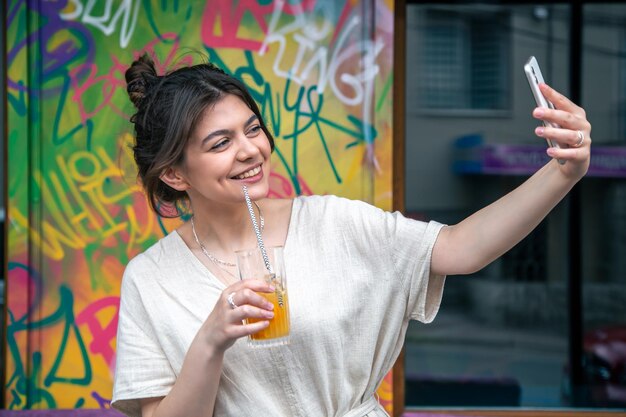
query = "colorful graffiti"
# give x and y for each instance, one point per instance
(321, 73)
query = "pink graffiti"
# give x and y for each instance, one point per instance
(345, 14)
(109, 83)
(166, 64)
(27, 284)
(101, 335)
(281, 187)
(113, 80)
(227, 16)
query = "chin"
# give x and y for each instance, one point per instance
(258, 191)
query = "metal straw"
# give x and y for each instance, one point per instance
(257, 231)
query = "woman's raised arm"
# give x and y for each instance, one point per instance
(487, 234)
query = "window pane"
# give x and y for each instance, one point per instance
(489, 39)
(462, 58)
(501, 335)
(442, 83)
(603, 218)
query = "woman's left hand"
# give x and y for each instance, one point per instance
(571, 119)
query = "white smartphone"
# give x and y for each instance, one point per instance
(533, 73)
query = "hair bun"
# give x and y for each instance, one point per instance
(139, 77)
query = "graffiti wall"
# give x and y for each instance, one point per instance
(321, 71)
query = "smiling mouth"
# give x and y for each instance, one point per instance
(248, 174)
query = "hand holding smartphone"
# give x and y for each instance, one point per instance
(533, 73)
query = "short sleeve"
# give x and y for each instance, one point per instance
(399, 243)
(411, 246)
(142, 369)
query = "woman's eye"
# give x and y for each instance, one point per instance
(220, 144)
(254, 130)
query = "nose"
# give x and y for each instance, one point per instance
(247, 149)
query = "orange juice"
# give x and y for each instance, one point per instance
(279, 324)
(268, 267)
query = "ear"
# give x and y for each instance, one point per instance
(175, 179)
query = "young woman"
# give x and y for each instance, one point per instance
(356, 274)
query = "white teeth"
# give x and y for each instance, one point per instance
(250, 173)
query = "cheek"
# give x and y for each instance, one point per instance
(265, 148)
(213, 166)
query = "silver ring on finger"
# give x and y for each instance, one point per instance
(231, 300)
(581, 138)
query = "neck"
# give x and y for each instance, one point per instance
(225, 228)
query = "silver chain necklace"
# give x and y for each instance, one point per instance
(211, 256)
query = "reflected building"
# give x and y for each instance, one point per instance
(469, 140)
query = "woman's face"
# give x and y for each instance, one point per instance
(227, 150)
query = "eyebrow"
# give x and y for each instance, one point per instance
(221, 132)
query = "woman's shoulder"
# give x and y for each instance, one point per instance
(330, 202)
(333, 210)
(315, 210)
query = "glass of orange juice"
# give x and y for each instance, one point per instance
(251, 265)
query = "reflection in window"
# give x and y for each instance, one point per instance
(526, 262)
(464, 60)
(622, 65)
(501, 337)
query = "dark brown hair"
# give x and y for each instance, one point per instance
(168, 109)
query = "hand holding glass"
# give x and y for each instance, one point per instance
(252, 266)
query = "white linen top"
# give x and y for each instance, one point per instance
(355, 276)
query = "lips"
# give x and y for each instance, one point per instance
(248, 174)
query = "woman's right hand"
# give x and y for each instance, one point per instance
(195, 389)
(225, 323)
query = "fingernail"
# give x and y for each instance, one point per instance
(539, 112)
(539, 131)
(272, 288)
(270, 306)
(269, 315)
